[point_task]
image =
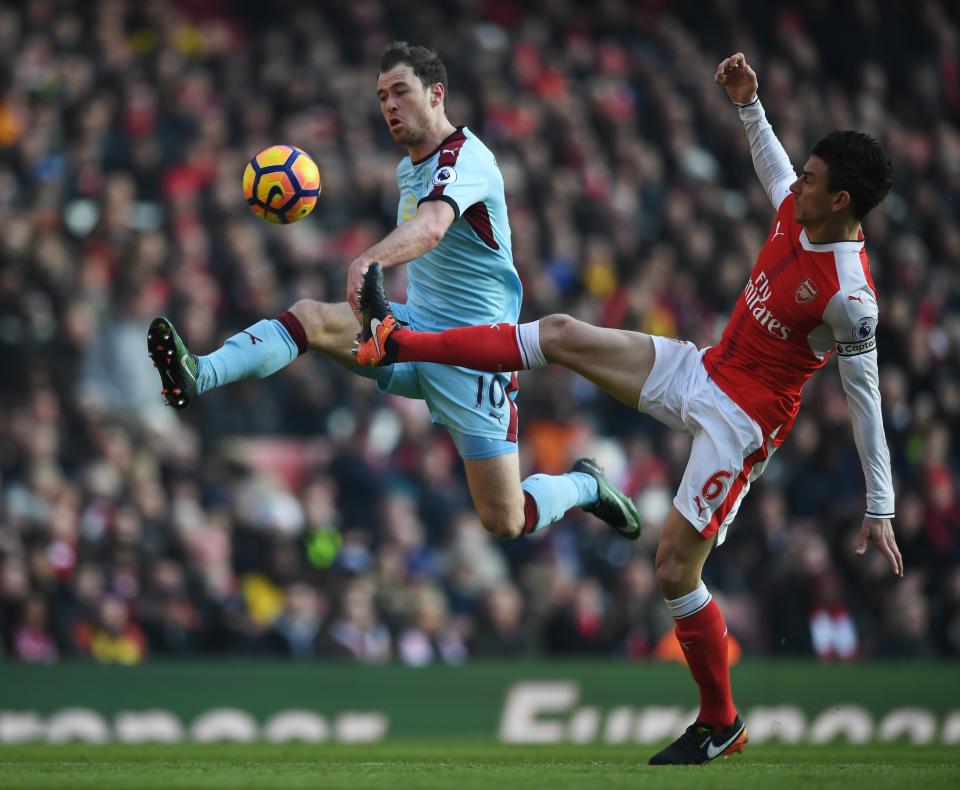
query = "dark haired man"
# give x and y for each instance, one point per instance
(810, 294)
(452, 230)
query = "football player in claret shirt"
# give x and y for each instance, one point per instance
(454, 236)
(810, 295)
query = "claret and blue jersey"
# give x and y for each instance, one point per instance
(469, 277)
(466, 280)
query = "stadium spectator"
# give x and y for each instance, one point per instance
(298, 629)
(581, 625)
(114, 637)
(502, 631)
(358, 633)
(33, 640)
(430, 635)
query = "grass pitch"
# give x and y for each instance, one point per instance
(463, 766)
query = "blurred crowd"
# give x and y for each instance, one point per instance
(306, 515)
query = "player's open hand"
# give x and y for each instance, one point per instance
(740, 81)
(879, 531)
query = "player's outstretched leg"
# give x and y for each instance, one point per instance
(616, 360)
(174, 362)
(256, 352)
(701, 743)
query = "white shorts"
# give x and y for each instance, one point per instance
(729, 449)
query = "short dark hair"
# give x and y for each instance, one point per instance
(857, 164)
(426, 63)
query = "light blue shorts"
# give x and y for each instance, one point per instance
(478, 409)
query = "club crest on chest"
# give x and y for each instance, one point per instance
(806, 292)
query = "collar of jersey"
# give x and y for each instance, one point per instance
(443, 142)
(836, 246)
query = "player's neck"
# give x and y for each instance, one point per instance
(830, 232)
(431, 141)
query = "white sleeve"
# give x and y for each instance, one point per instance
(771, 162)
(853, 318)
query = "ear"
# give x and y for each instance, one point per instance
(841, 201)
(436, 94)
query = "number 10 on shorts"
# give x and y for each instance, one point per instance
(495, 391)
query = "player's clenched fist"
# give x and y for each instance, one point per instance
(740, 81)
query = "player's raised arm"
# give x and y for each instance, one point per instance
(407, 241)
(769, 159)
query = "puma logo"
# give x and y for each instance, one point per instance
(700, 506)
(852, 298)
(253, 338)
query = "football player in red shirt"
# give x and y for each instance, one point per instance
(810, 295)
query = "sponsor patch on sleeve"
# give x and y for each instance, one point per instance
(866, 328)
(444, 175)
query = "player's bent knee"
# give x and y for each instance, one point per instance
(557, 332)
(503, 525)
(556, 327)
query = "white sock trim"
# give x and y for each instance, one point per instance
(689, 604)
(528, 338)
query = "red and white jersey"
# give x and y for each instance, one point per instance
(802, 300)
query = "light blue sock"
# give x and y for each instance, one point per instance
(254, 353)
(556, 494)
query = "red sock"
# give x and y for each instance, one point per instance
(531, 513)
(490, 347)
(703, 637)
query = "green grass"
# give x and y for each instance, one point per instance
(464, 766)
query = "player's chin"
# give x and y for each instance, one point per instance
(401, 134)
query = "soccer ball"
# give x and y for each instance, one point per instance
(281, 184)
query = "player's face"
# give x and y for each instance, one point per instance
(405, 104)
(814, 201)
